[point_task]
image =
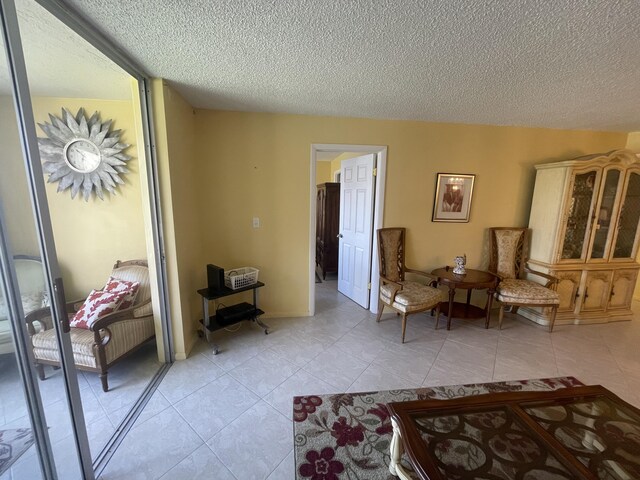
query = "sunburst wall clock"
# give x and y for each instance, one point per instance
(83, 154)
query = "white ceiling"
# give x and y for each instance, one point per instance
(60, 63)
(551, 63)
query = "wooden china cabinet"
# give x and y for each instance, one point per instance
(584, 223)
(327, 225)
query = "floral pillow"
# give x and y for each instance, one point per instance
(115, 285)
(97, 305)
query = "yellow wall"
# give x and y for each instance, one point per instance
(14, 192)
(182, 212)
(323, 172)
(633, 142)
(335, 163)
(91, 236)
(257, 164)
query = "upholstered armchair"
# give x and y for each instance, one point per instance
(509, 248)
(30, 275)
(405, 297)
(109, 339)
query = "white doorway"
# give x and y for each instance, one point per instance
(373, 212)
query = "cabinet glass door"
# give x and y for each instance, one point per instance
(603, 226)
(626, 237)
(579, 215)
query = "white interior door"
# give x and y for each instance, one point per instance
(356, 221)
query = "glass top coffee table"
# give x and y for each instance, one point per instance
(473, 279)
(574, 433)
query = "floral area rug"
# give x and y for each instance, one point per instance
(13, 443)
(347, 435)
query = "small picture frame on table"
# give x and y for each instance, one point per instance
(452, 202)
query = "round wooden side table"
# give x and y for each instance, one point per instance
(473, 279)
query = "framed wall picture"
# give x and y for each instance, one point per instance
(452, 202)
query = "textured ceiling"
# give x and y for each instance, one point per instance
(60, 63)
(551, 63)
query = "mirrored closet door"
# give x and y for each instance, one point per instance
(82, 329)
(42, 425)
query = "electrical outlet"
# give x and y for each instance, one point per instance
(256, 222)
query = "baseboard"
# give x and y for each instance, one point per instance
(535, 315)
(191, 344)
(285, 314)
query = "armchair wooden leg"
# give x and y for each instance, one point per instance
(554, 310)
(40, 369)
(437, 315)
(404, 325)
(105, 384)
(380, 309)
(500, 316)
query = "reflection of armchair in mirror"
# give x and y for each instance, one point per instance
(115, 330)
(32, 292)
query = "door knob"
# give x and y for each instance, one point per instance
(339, 235)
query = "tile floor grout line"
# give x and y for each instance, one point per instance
(182, 459)
(229, 425)
(368, 335)
(221, 461)
(283, 460)
(433, 363)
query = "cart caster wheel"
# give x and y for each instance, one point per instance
(266, 332)
(216, 351)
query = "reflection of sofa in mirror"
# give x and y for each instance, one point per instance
(32, 291)
(108, 339)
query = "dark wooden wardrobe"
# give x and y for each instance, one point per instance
(327, 227)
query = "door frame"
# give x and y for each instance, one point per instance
(378, 213)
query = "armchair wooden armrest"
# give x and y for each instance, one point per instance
(117, 316)
(100, 328)
(433, 278)
(384, 280)
(42, 316)
(551, 280)
(75, 305)
(397, 286)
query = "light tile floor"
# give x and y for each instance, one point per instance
(102, 411)
(228, 416)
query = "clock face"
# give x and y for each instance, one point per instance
(82, 155)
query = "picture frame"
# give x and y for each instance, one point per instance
(452, 201)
